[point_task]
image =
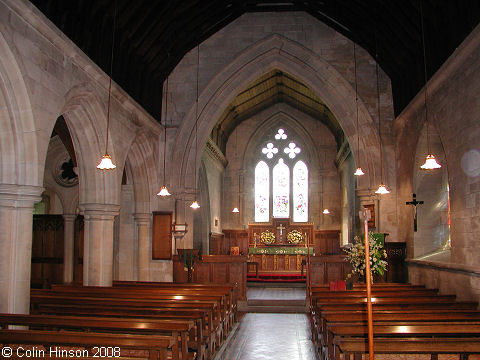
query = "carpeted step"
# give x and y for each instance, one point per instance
(275, 302)
(277, 309)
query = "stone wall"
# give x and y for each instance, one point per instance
(453, 110)
(316, 55)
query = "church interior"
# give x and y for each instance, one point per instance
(211, 167)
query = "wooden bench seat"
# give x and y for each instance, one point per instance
(178, 329)
(401, 331)
(81, 306)
(196, 340)
(157, 347)
(353, 348)
(225, 305)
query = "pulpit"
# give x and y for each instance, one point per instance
(280, 246)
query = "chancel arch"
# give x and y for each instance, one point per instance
(276, 52)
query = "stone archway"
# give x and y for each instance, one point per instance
(20, 183)
(275, 52)
(81, 112)
(19, 162)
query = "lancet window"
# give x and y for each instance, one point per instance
(282, 176)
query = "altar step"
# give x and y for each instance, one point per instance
(252, 284)
(276, 306)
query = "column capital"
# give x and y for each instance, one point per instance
(19, 196)
(366, 196)
(69, 217)
(142, 218)
(99, 211)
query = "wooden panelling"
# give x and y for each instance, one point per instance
(235, 238)
(327, 242)
(397, 269)
(216, 269)
(47, 250)
(217, 244)
(162, 236)
(328, 268)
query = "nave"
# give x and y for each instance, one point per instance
(270, 336)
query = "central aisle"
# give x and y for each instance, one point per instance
(270, 336)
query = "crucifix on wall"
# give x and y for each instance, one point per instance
(414, 203)
(280, 228)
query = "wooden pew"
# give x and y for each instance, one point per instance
(157, 346)
(213, 288)
(44, 303)
(197, 340)
(355, 347)
(224, 301)
(177, 329)
(335, 333)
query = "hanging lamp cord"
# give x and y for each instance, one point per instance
(425, 74)
(196, 119)
(165, 132)
(356, 101)
(379, 119)
(111, 73)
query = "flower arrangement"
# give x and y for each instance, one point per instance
(294, 237)
(356, 256)
(267, 237)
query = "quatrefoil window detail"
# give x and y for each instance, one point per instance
(292, 150)
(280, 135)
(270, 150)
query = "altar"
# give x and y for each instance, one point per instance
(279, 246)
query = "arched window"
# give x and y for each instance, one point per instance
(300, 192)
(281, 190)
(262, 192)
(285, 187)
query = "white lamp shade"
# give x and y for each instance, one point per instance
(164, 191)
(359, 172)
(106, 163)
(195, 205)
(382, 189)
(430, 163)
(326, 211)
(235, 210)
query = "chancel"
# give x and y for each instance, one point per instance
(263, 107)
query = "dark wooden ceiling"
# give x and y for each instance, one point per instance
(152, 36)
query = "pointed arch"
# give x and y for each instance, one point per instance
(19, 160)
(82, 112)
(143, 164)
(275, 52)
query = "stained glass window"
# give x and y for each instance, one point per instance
(284, 190)
(281, 190)
(300, 192)
(262, 192)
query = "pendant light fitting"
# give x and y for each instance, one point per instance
(382, 188)
(163, 190)
(359, 171)
(430, 161)
(106, 160)
(195, 204)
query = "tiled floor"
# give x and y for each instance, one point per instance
(276, 293)
(270, 337)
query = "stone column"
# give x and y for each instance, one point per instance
(98, 243)
(16, 223)
(142, 226)
(68, 241)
